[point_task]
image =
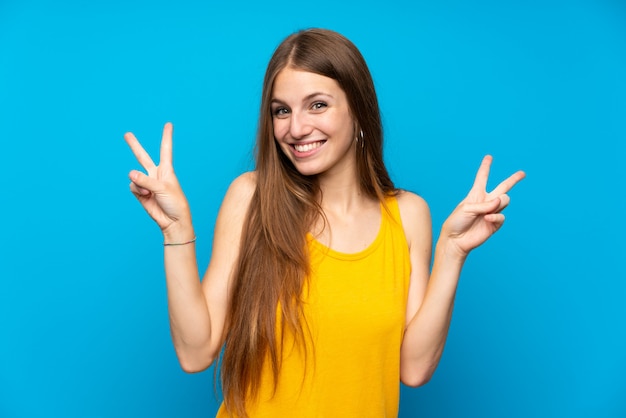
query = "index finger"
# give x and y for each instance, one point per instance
(166, 144)
(508, 184)
(142, 156)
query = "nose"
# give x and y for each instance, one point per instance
(299, 125)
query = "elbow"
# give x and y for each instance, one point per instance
(194, 363)
(195, 357)
(194, 367)
(190, 366)
(416, 378)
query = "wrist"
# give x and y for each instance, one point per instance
(449, 251)
(179, 232)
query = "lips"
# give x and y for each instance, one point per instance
(308, 147)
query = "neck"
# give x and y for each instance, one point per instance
(341, 194)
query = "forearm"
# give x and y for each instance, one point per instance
(426, 333)
(188, 311)
(197, 309)
(472, 222)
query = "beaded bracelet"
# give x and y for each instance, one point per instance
(172, 244)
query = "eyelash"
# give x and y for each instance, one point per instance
(280, 111)
(320, 104)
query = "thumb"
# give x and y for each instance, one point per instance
(483, 207)
(144, 182)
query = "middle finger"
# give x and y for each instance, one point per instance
(508, 184)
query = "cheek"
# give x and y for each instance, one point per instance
(279, 126)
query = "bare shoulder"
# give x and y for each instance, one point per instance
(411, 203)
(415, 216)
(242, 188)
(235, 204)
(412, 207)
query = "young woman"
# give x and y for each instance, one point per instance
(319, 289)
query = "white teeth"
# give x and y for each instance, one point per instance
(307, 147)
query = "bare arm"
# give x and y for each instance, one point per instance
(196, 310)
(431, 297)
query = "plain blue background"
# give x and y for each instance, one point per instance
(539, 324)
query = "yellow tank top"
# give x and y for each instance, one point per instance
(355, 307)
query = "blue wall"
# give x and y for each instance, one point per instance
(539, 326)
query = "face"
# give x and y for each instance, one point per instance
(312, 123)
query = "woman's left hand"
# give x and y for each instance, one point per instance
(479, 216)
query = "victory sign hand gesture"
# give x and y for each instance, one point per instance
(158, 191)
(479, 216)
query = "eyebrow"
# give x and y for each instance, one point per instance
(307, 98)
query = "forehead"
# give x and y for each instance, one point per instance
(291, 83)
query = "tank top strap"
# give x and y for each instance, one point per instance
(391, 210)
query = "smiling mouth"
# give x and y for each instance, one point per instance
(308, 147)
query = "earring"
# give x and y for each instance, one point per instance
(359, 138)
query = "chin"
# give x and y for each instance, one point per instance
(307, 171)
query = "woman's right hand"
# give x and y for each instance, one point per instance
(159, 191)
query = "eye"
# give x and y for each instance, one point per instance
(280, 111)
(319, 106)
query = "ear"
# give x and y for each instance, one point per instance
(356, 128)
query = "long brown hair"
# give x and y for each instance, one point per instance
(273, 262)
